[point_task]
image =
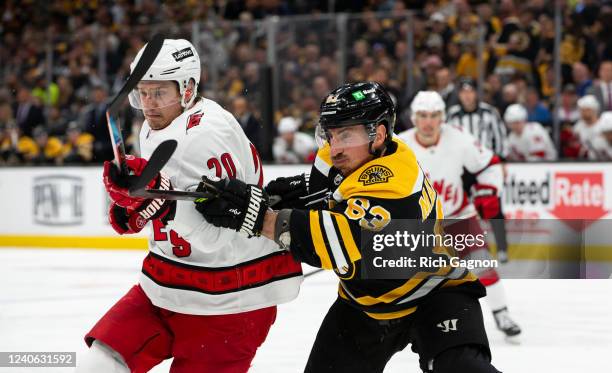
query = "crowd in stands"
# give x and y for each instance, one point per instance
(58, 116)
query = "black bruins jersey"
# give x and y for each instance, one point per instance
(388, 187)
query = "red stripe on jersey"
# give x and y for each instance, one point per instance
(254, 273)
(540, 153)
(257, 165)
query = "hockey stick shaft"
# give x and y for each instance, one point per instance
(114, 127)
(173, 194)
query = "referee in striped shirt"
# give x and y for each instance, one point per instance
(484, 123)
(478, 118)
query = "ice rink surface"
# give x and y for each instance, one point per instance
(50, 298)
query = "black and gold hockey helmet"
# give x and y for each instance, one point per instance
(352, 104)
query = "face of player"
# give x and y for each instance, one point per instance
(517, 127)
(588, 115)
(160, 102)
(350, 146)
(428, 126)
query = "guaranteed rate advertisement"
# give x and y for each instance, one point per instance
(558, 191)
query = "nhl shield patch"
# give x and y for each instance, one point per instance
(375, 174)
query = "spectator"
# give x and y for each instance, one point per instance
(320, 87)
(582, 78)
(430, 66)
(57, 123)
(527, 141)
(568, 110)
(602, 90)
(601, 149)
(250, 125)
(292, 146)
(78, 148)
(29, 112)
(94, 122)
(445, 87)
(536, 110)
(41, 149)
(8, 143)
(510, 95)
(586, 128)
(493, 92)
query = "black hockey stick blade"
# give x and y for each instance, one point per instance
(173, 194)
(146, 60)
(114, 128)
(158, 159)
(210, 192)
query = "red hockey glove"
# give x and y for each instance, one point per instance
(117, 184)
(486, 200)
(128, 221)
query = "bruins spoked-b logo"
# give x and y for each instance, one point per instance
(375, 174)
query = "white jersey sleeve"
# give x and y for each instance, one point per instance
(482, 162)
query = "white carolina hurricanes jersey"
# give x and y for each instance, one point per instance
(533, 144)
(444, 164)
(194, 267)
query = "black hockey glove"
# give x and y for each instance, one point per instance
(237, 205)
(288, 192)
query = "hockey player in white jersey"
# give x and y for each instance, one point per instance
(444, 151)
(206, 296)
(601, 146)
(528, 141)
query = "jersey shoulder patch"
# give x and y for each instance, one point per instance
(390, 177)
(194, 119)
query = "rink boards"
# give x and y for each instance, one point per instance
(67, 207)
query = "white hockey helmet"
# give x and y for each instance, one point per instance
(177, 61)
(588, 102)
(429, 102)
(515, 113)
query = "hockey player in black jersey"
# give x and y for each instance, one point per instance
(371, 180)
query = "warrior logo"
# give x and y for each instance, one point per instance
(375, 174)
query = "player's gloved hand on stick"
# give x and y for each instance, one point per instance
(486, 200)
(290, 192)
(237, 205)
(117, 184)
(128, 220)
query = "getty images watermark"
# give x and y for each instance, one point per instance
(409, 242)
(413, 248)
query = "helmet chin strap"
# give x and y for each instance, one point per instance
(372, 135)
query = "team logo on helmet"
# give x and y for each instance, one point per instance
(375, 174)
(331, 99)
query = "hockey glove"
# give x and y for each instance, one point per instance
(290, 192)
(237, 206)
(128, 221)
(486, 200)
(117, 184)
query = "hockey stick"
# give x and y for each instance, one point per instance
(158, 159)
(114, 128)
